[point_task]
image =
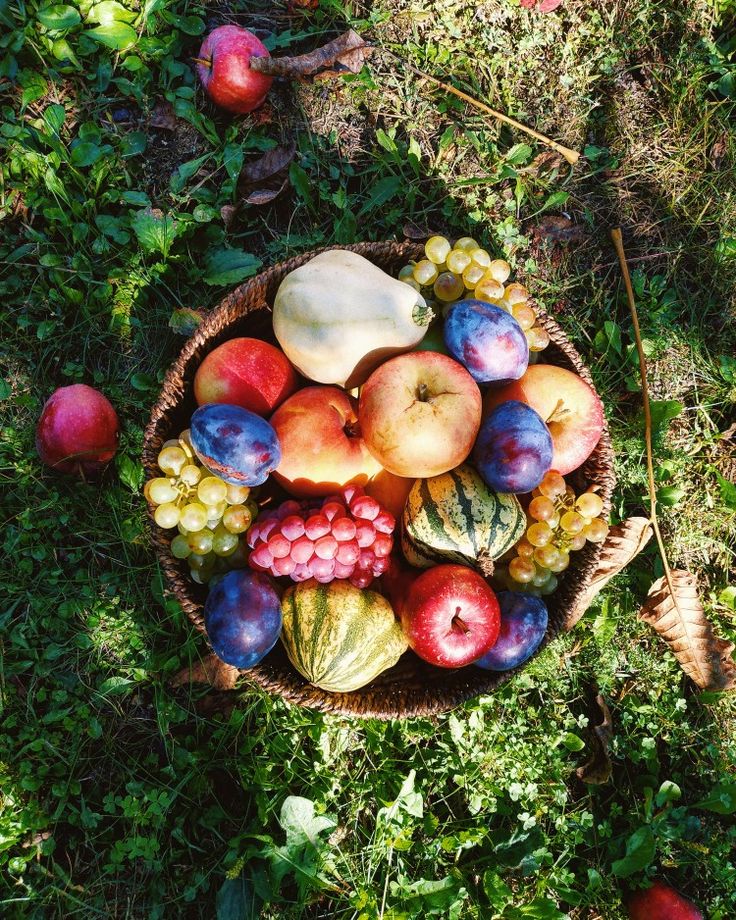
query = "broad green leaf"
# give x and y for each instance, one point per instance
(85, 153)
(721, 800)
(115, 685)
(59, 16)
(668, 792)
(130, 472)
(155, 230)
(663, 411)
(117, 36)
(385, 141)
(236, 900)
(518, 154)
(728, 597)
(573, 742)
(142, 382)
(300, 180)
(555, 200)
(5, 390)
(539, 909)
(63, 51)
(108, 12)
(185, 321)
(133, 144)
(54, 116)
(382, 191)
(232, 159)
(669, 496)
(300, 822)
(640, 849)
(728, 491)
(229, 266)
(497, 891)
(609, 337)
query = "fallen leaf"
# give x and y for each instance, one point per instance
(209, 670)
(416, 233)
(718, 151)
(227, 213)
(598, 769)
(261, 196)
(185, 321)
(728, 433)
(345, 54)
(624, 542)
(557, 228)
(681, 621)
(163, 116)
(267, 166)
(544, 162)
(302, 5)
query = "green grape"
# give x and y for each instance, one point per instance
(537, 338)
(224, 543)
(437, 249)
(239, 558)
(515, 293)
(237, 518)
(166, 515)
(539, 534)
(458, 261)
(542, 508)
(190, 475)
(180, 547)
(425, 272)
(524, 315)
(472, 275)
(524, 549)
(554, 521)
(236, 495)
(412, 283)
(562, 561)
(201, 541)
(182, 530)
(211, 490)
(199, 561)
(572, 522)
(553, 485)
(500, 270)
(577, 541)
(480, 257)
(185, 442)
(194, 516)
(466, 243)
(406, 272)
(549, 586)
(448, 287)
(161, 492)
(172, 442)
(489, 290)
(171, 460)
(522, 570)
(596, 531)
(541, 576)
(201, 576)
(546, 556)
(215, 512)
(589, 504)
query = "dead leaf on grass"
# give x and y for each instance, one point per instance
(227, 213)
(598, 769)
(718, 151)
(541, 6)
(185, 320)
(681, 621)
(210, 670)
(345, 54)
(545, 162)
(262, 180)
(558, 229)
(415, 233)
(163, 116)
(262, 196)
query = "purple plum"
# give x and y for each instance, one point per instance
(523, 625)
(513, 449)
(237, 445)
(487, 341)
(242, 617)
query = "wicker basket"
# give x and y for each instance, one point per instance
(412, 687)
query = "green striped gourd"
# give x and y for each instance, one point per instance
(456, 517)
(338, 636)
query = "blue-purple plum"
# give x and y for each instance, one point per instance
(523, 625)
(237, 445)
(242, 617)
(513, 449)
(487, 341)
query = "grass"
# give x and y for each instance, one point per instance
(122, 797)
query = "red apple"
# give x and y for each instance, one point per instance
(570, 407)
(77, 431)
(420, 413)
(223, 67)
(321, 445)
(660, 902)
(245, 372)
(450, 616)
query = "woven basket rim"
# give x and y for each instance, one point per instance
(404, 696)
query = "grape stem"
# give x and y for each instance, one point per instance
(572, 156)
(618, 243)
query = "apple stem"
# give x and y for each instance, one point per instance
(457, 620)
(423, 392)
(203, 61)
(559, 412)
(485, 561)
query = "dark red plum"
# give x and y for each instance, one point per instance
(487, 341)
(523, 625)
(237, 445)
(513, 449)
(242, 617)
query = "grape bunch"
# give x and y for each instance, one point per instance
(450, 273)
(210, 514)
(559, 523)
(347, 535)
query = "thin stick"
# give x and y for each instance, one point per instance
(572, 156)
(619, 246)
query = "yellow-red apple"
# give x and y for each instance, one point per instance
(391, 492)
(419, 414)
(570, 408)
(321, 445)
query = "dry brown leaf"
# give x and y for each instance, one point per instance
(682, 623)
(345, 54)
(415, 233)
(624, 542)
(599, 768)
(210, 670)
(163, 116)
(557, 229)
(267, 166)
(718, 151)
(261, 196)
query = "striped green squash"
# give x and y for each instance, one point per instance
(456, 517)
(338, 636)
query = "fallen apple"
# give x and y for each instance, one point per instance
(77, 431)
(224, 68)
(661, 902)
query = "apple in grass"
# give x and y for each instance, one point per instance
(245, 372)
(661, 902)
(568, 405)
(420, 414)
(224, 68)
(77, 431)
(451, 617)
(322, 448)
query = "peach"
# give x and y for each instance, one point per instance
(321, 445)
(568, 405)
(420, 414)
(245, 372)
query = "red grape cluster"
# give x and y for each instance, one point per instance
(345, 536)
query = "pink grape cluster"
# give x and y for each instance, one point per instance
(347, 535)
